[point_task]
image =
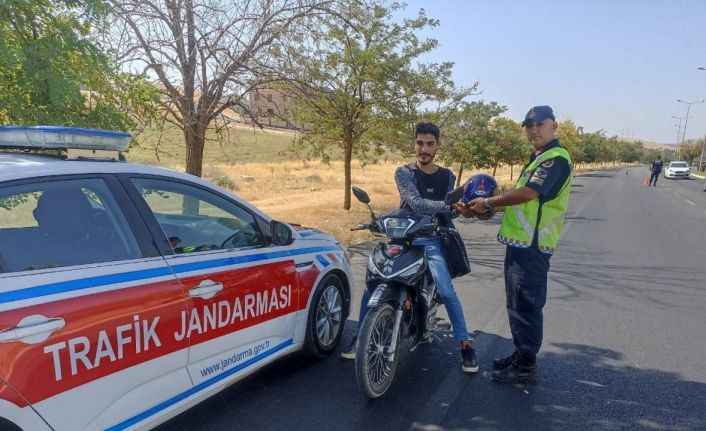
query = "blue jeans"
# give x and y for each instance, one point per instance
(444, 288)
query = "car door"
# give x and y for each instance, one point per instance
(87, 305)
(242, 290)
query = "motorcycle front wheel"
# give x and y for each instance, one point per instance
(375, 363)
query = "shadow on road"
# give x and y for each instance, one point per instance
(581, 387)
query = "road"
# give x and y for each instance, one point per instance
(625, 334)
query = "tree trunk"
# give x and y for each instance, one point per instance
(495, 169)
(348, 155)
(195, 139)
(458, 177)
(512, 168)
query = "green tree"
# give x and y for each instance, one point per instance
(51, 71)
(356, 85)
(510, 139)
(470, 141)
(689, 151)
(570, 137)
(630, 152)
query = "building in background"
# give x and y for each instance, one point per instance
(271, 107)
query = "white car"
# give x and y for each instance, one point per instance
(677, 170)
(129, 293)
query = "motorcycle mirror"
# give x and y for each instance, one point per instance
(364, 198)
(361, 195)
(454, 196)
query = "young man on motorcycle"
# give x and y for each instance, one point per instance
(423, 186)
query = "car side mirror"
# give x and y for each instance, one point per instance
(361, 195)
(280, 233)
(454, 196)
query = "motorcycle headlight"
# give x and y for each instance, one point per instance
(411, 270)
(397, 227)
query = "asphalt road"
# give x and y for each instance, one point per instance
(625, 334)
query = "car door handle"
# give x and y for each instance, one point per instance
(32, 329)
(207, 289)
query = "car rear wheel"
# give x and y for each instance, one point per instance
(325, 320)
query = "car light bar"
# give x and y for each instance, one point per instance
(68, 138)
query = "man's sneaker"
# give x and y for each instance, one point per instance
(500, 363)
(469, 363)
(349, 353)
(517, 373)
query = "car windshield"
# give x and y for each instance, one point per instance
(679, 165)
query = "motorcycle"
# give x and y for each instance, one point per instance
(403, 299)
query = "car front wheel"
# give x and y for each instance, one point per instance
(325, 319)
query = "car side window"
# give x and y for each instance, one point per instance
(61, 223)
(194, 219)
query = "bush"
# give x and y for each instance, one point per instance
(316, 178)
(226, 183)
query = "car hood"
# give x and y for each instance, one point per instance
(308, 233)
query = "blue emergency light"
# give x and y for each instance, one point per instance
(62, 138)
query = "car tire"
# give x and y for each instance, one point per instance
(324, 324)
(6, 425)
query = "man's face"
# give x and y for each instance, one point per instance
(425, 147)
(539, 133)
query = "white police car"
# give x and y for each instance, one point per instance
(129, 293)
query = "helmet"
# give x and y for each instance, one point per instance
(480, 186)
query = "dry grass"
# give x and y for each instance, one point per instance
(306, 193)
(311, 194)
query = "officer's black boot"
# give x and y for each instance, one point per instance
(522, 370)
(500, 363)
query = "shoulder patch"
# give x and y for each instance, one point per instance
(548, 164)
(540, 173)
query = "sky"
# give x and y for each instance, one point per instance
(614, 65)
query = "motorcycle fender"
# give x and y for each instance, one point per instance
(384, 294)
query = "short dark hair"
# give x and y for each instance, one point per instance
(431, 128)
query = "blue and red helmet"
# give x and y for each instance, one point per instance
(480, 186)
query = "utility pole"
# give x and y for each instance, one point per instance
(703, 147)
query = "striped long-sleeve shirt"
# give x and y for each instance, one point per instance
(409, 193)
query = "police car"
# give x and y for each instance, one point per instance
(129, 293)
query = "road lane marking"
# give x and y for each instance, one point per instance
(690, 203)
(676, 194)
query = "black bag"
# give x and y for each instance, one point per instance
(455, 253)
(454, 249)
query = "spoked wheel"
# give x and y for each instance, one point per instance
(375, 363)
(325, 320)
(329, 314)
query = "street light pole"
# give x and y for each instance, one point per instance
(701, 160)
(676, 144)
(686, 120)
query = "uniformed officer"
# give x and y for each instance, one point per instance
(655, 168)
(530, 228)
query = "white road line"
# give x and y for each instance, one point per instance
(676, 194)
(690, 203)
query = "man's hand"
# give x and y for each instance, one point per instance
(463, 209)
(477, 205)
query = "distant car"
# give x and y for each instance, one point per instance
(129, 293)
(677, 170)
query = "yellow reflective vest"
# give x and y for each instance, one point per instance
(521, 223)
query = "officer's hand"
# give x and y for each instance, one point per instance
(463, 209)
(477, 205)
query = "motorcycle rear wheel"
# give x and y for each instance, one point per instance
(373, 368)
